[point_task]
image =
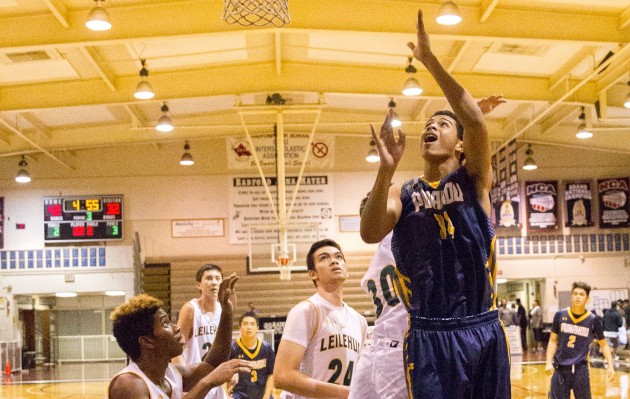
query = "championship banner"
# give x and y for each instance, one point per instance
(504, 194)
(542, 205)
(614, 208)
(579, 200)
(240, 155)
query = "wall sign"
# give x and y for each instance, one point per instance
(542, 205)
(579, 199)
(197, 228)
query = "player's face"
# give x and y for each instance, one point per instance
(330, 265)
(168, 336)
(578, 297)
(439, 139)
(210, 282)
(249, 327)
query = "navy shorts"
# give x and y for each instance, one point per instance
(567, 378)
(458, 358)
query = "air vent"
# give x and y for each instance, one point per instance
(512, 48)
(28, 56)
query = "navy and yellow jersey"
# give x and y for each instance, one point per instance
(575, 335)
(251, 385)
(443, 244)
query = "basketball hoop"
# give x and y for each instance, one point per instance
(284, 263)
(256, 12)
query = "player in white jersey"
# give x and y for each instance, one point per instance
(380, 373)
(199, 320)
(145, 332)
(323, 336)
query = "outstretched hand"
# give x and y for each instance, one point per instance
(489, 103)
(423, 47)
(227, 293)
(389, 149)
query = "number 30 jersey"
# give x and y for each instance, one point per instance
(443, 244)
(380, 283)
(332, 335)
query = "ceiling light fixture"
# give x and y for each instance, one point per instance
(115, 293)
(144, 91)
(412, 86)
(165, 124)
(65, 294)
(22, 175)
(187, 159)
(627, 103)
(395, 122)
(372, 155)
(529, 164)
(583, 132)
(98, 18)
(448, 14)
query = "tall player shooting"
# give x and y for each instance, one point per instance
(443, 244)
(572, 332)
(322, 336)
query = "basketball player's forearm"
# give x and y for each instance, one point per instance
(301, 384)
(268, 387)
(220, 350)
(375, 210)
(607, 355)
(464, 106)
(551, 351)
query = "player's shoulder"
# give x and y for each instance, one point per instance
(305, 307)
(128, 384)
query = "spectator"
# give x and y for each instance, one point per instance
(613, 321)
(507, 315)
(536, 323)
(521, 318)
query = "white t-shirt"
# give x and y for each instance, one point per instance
(331, 335)
(204, 332)
(172, 377)
(378, 282)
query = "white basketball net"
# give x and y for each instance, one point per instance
(256, 12)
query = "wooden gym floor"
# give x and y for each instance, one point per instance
(89, 381)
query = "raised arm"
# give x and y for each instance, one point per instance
(383, 206)
(476, 142)
(185, 324)
(216, 366)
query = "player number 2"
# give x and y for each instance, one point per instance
(446, 226)
(388, 274)
(571, 343)
(254, 376)
(337, 366)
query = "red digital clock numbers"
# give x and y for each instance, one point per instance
(83, 218)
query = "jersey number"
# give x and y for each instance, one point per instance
(254, 376)
(571, 343)
(388, 274)
(446, 226)
(336, 365)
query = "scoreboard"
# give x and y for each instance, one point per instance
(83, 218)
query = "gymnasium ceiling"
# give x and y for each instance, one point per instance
(64, 88)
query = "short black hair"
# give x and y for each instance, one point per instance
(327, 242)
(458, 124)
(518, 300)
(581, 284)
(132, 320)
(205, 268)
(248, 314)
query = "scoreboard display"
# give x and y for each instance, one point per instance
(83, 218)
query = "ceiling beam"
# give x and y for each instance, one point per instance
(624, 19)
(105, 74)
(59, 10)
(563, 74)
(37, 124)
(314, 15)
(306, 77)
(485, 9)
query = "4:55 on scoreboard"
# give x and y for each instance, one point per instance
(83, 218)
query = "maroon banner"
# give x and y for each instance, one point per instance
(579, 200)
(542, 205)
(614, 208)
